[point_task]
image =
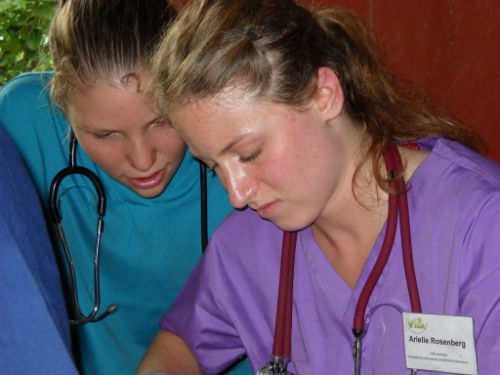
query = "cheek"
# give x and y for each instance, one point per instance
(280, 172)
(302, 164)
(109, 159)
(293, 157)
(172, 146)
(108, 154)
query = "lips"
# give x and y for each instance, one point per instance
(268, 210)
(149, 181)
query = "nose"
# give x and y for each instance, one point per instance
(141, 154)
(240, 185)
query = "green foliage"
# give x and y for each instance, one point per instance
(23, 36)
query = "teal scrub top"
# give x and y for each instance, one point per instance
(149, 245)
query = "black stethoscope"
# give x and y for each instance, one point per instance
(73, 169)
(398, 202)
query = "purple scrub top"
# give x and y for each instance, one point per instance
(228, 306)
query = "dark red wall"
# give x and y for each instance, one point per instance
(448, 49)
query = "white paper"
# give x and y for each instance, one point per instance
(440, 343)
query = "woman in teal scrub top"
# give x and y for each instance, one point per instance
(151, 238)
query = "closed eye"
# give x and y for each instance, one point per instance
(102, 135)
(249, 158)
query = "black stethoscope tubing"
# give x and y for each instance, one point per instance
(204, 206)
(73, 169)
(398, 202)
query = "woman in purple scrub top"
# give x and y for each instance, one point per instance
(293, 109)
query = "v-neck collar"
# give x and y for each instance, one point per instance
(341, 298)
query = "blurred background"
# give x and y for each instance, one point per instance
(24, 45)
(446, 50)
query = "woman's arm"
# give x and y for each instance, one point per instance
(169, 354)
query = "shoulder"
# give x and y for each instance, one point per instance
(26, 99)
(245, 223)
(244, 234)
(243, 255)
(455, 186)
(455, 174)
(35, 125)
(461, 163)
(33, 83)
(459, 189)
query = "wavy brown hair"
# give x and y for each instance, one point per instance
(273, 50)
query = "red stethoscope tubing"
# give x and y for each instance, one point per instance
(397, 202)
(283, 326)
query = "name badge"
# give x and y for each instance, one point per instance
(440, 343)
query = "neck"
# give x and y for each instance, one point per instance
(350, 224)
(347, 234)
(352, 220)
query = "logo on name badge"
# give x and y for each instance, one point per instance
(416, 325)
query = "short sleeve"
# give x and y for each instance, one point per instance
(199, 317)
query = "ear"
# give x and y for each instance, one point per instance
(329, 96)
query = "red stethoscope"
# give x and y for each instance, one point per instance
(398, 202)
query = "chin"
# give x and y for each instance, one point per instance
(149, 193)
(290, 225)
(149, 196)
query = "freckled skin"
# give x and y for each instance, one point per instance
(303, 165)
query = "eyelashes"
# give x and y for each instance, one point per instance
(102, 135)
(253, 156)
(244, 159)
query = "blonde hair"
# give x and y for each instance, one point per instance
(94, 40)
(273, 50)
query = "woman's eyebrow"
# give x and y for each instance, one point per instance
(232, 143)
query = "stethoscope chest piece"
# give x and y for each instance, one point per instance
(276, 367)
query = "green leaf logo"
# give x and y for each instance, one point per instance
(416, 325)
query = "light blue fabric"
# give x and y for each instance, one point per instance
(34, 329)
(149, 246)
